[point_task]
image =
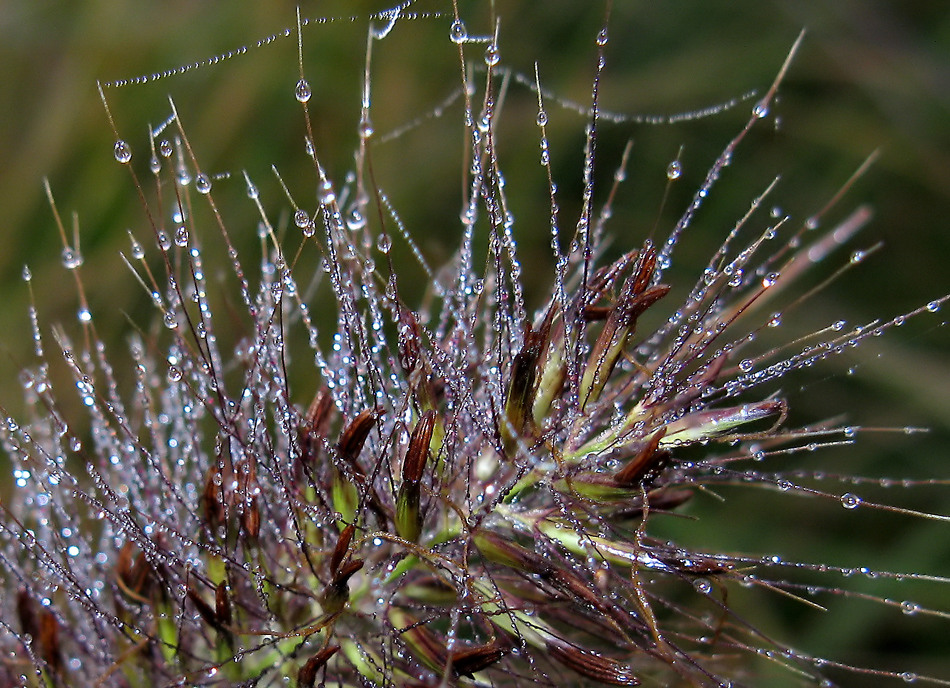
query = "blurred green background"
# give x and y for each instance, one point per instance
(870, 75)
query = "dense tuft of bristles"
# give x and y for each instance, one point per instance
(470, 495)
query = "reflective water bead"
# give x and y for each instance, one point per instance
(384, 243)
(366, 128)
(761, 109)
(457, 32)
(849, 500)
(492, 56)
(302, 91)
(301, 219)
(326, 192)
(674, 170)
(181, 237)
(137, 251)
(202, 184)
(71, 259)
(122, 151)
(165, 148)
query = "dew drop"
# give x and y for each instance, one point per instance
(301, 219)
(122, 151)
(770, 279)
(492, 56)
(27, 275)
(202, 184)
(174, 374)
(457, 32)
(745, 365)
(933, 306)
(602, 37)
(171, 322)
(84, 315)
(181, 237)
(761, 109)
(355, 220)
(674, 170)
(71, 259)
(302, 91)
(165, 148)
(542, 118)
(326, 192)
(910, 608)
(366, 128)
(384, 243)
(849, 500)
(702, 586)
(154, 164)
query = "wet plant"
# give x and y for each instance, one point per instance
(478, 491)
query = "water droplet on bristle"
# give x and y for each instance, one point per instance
(71, 259)
(850, 500)
(457, 32)
(302, 91)
(202, 184)
(122, 151)
(674, 170)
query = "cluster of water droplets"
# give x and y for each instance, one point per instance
(201, 421)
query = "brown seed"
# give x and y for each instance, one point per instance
(212, 502)
(468, 662)
(342, 547)
(522, 385)
(26, 612)
(251, 520)
(222, 604)
(409, 340)
(204, 609)
(607, 671)
(646, 463)
(354, 436)
(307, 676)
(418, 453)
(134, 576)
(49, 641)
